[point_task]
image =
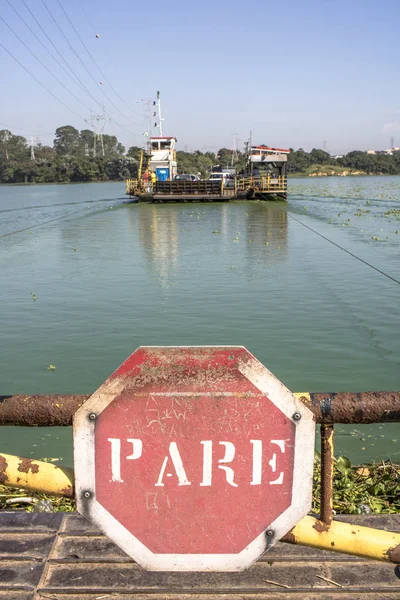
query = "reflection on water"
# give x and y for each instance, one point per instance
(117, 276)
(163, 233)
(159, 237)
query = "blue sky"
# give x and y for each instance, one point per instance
(311, 73)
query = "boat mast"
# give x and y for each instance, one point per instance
(160, 119)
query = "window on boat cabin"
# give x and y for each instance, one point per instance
(165, 145)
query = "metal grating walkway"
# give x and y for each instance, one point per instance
(62, 557)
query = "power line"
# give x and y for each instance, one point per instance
(93, 60)
(40, 83)
(41, 62)
(76, 54)
(82, 63)
(77, 79)
(72, 48)
(344, 249)
(111, 61)
(28, 130)
(83, 86)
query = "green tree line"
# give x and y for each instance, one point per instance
(79, 156)
(388, 164)
(75, 156)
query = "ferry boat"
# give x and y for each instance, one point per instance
(265, 175)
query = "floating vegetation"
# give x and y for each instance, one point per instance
(361, 212)
(393, 212)
(19, 499)
(216, 231)
(361, 489)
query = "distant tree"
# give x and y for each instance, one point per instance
(13, 147)
(67, 141)
(112, 147)
(224, 157)
(86, 142)
(72, 159)
(134, 152)
(319, 157)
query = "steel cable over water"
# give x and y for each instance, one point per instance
(71, 214)
(43, 64)
(344, 249)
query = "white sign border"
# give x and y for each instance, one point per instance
(88, 506)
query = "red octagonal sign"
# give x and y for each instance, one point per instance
(193, 458)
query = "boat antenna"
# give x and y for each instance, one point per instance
(160, 119)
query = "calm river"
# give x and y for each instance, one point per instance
(85, 278)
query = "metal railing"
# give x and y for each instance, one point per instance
(179, 187)
(266, 184)
(136, 186)
(328, 408)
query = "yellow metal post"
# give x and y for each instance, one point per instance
(346, 538)
(36, 476)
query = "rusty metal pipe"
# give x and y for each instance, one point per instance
(353, 407)
(327, 433)
(49, 410)
(338, 407)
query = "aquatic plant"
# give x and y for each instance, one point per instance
(357, 489)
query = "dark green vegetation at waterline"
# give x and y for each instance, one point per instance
(79, 156)
(355, 162)
(371, 489)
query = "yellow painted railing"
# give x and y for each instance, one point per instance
(135, 186)
(262, 184)
(265, 184)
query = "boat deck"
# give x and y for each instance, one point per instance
(61, 556)
(249, 188)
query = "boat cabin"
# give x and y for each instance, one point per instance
(163, 157)
(264, 160)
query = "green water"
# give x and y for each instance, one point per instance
(109, 276)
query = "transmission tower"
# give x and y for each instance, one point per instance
(32, 145)
(98, 123)
(6, 138)
(149, 114)
(392, 143)
(235, 140)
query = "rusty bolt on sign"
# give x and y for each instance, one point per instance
(270, 533)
